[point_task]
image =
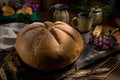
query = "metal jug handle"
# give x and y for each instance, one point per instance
(73, 22)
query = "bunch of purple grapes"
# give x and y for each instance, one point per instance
(102, 42)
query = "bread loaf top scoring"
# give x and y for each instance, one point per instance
(49, 46)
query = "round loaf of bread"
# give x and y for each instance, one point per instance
(7, 11)
(49, 46)
(25, 10)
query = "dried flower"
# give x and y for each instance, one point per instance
(103, 42)
(30, 3)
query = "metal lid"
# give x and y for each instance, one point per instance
(97, 9)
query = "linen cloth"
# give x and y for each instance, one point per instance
(8, 34)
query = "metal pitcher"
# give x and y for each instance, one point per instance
(97, 16)
(60, 13)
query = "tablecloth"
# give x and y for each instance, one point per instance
(8, 34)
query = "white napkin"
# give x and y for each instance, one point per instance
(8, 34)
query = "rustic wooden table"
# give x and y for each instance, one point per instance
(114, 74)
